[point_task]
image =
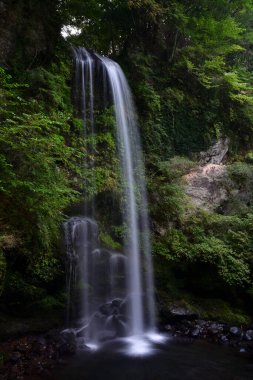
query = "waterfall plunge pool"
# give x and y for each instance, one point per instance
(172, 359)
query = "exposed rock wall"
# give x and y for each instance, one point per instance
(208, 185)
(216, 153)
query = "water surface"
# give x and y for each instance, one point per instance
(174, 360)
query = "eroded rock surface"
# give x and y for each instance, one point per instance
(208, 186)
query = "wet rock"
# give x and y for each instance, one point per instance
(249, 335)
(106, 309)
(168, 327)
(68, 343)
(196, 332)
(224, 339)
(124, 307)
(178, 313)
(201, 323)
(215, 328)
(236, 331)
(116, 302)
(39, 345)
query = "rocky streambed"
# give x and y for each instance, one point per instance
(35, 356)
(238, 337)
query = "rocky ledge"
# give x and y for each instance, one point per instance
(238, 337)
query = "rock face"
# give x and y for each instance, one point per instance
(216, 153)
(207, 186)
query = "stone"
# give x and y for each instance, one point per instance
(234, 330)
(68, 344)
(215, 328)
(116, 302)
(216, 153)
(106, 309)
(206, 186)
(180, 313)
(249, 335)
(201, 323)
(195, 332)
(224, 339)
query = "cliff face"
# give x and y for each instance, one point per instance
(29, 31)
(215, 185)
(207, 186)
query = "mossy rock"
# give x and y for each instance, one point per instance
(208, 309)
(219, 310)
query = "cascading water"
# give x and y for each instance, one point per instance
(114, 291)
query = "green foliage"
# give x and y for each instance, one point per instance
(41, 150)
(168, 201)
(215, 309)
(249, 157)
(50, 304)
(44, 268)
(190, 67)
(242, 174)
(224, 243)
(108, 241)
(21, 292)
(36, 164)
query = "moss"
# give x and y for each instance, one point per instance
(216, 309)
(208, 309)
(108, 241)
(249, 158)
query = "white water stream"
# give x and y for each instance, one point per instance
(132, 315)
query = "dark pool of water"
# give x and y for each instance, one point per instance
(173, 360)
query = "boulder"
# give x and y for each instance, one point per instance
(249, 335)
(206, 186)
(195, 332)
(234, 330)
(180, 313)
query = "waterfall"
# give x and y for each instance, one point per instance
(114, 291)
